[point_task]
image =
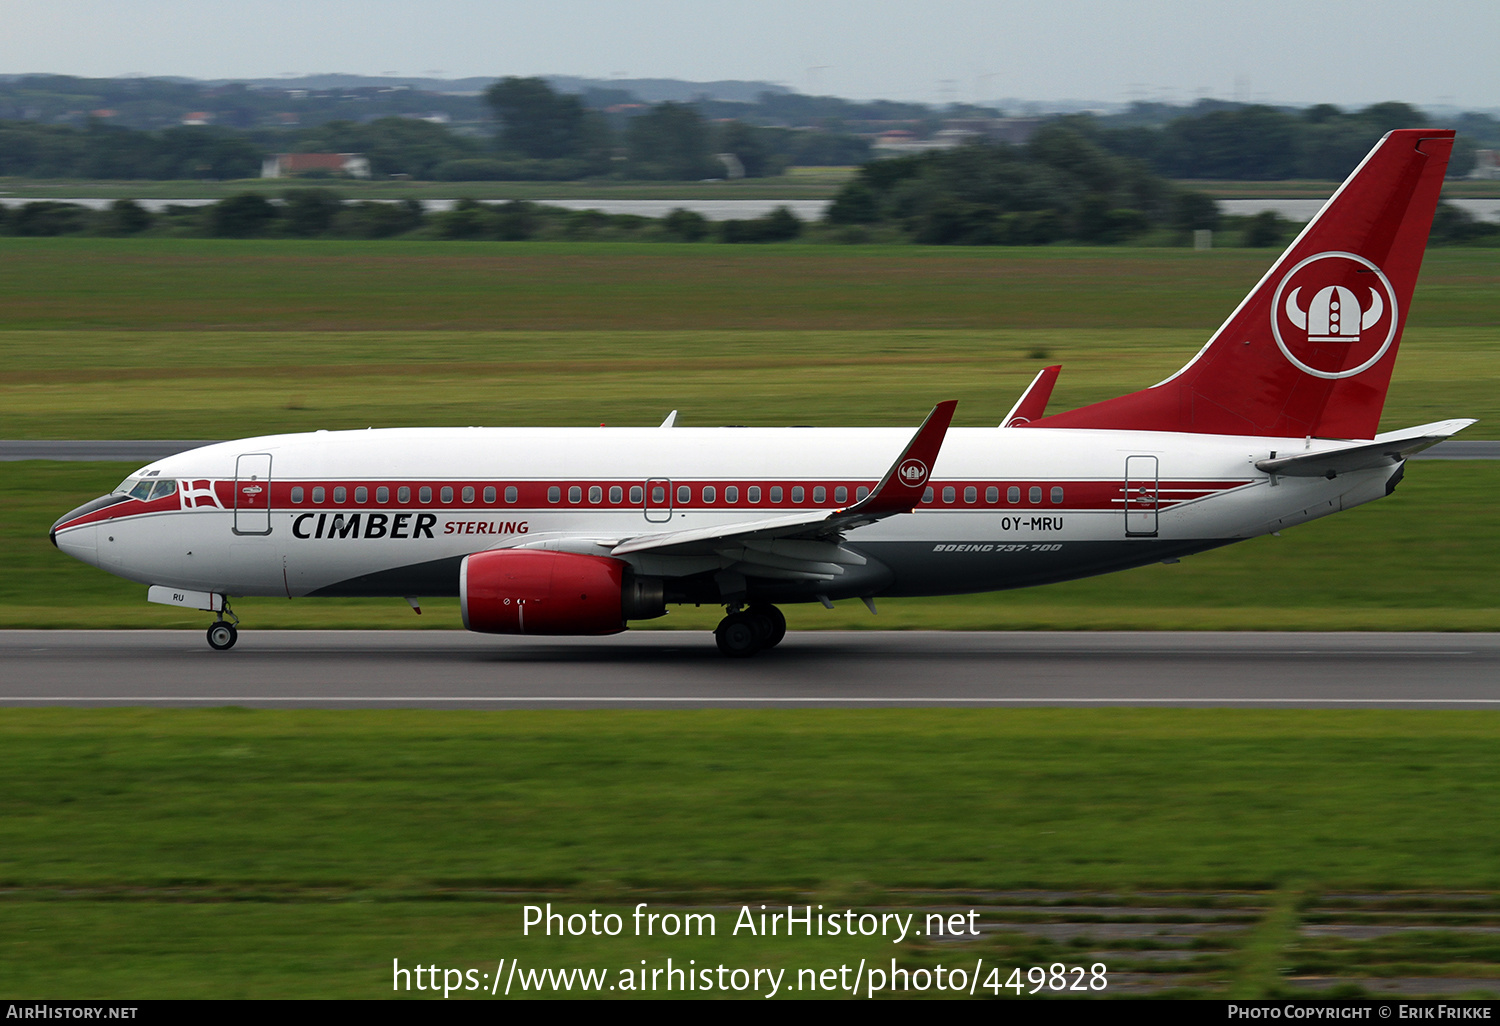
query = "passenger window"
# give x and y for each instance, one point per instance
(1057, 496)
(797, 493)
(637, 495)
(297, 494)
(1013, 494)
(927, 495)
(971, 494)
(489, 495)
(861, 493)
(841, 494)
(575, 493)
(820, 494)
(753, 493)
(731, 494)
(596, 494)
(616, 494)
(776, 493)
(1034, 493)
(992, 495)
(510, 493)
(446, 494)
(340, 494)
(318, 494)
(658, 495)
(403, 494)
(554, 494)
(947, 493)
(361, 493)
(425, 494)
(684, 495)
(709, 493)
(468, 493)
(382, 494)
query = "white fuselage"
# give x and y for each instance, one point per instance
(392, 511)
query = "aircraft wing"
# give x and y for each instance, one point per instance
(806, 545)
(1386, 450)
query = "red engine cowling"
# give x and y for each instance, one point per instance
(531, 591)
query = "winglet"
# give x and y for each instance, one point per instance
(901, 488)
(1033, 401)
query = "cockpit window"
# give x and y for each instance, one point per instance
(142, 490)
(163, 489)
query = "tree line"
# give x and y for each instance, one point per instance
(1258, 142)
(316, 213)
(1063, 186)
(542, 135)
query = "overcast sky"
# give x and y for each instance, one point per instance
(1279, 51)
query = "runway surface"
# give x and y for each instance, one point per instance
(148, 449)
(667, 669)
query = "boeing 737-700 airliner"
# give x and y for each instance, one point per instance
(581, 530)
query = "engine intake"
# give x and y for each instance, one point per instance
(532, 591)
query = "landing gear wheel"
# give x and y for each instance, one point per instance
(771, 622)
(222, 636)
(738, 635)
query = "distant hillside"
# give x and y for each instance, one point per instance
(646, 90)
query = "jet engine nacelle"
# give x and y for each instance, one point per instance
(532, 591)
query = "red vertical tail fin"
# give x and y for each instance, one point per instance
(1310, 350)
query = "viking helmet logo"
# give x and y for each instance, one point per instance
(1334, 315)
(1352, 302)
(912, 472)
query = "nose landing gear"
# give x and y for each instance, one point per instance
(743, 633)
(223, 634)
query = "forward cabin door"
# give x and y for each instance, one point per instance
(1141, 496)
(252, 494)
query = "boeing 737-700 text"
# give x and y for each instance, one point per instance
(581, 530)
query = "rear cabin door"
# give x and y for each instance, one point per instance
(252, 494)
(1141, 501)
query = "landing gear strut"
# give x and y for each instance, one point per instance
(741, 634)
(223, 634)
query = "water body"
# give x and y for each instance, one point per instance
(1299, 210)
(714, 210)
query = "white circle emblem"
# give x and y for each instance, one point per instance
(912, 472)
(1389, 299)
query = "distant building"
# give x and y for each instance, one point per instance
(197, 117)
(1486, 165)
(286, 165)
(956, 132)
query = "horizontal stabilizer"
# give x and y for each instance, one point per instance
(1386, 451)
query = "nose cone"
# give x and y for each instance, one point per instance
(76, 531)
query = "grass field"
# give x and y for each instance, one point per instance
(268, 285)
(230, 852)
(137, 339)
(1435, 571)
(226, 853)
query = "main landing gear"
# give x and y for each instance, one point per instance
(223, 634)
(745, 632)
